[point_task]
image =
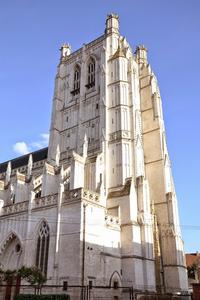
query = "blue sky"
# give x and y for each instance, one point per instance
(31, 33)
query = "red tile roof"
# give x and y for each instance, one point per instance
(192, 258)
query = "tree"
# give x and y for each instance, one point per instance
(7, 275)
(34, 276)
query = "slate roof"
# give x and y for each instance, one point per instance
(23, 160)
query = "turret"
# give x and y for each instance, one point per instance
(141, 54)
(112, 24)
(65, 50)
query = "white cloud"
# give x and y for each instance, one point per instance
(21, 148)
(24, 148)
(43, 142)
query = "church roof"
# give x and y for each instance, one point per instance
(23, 160)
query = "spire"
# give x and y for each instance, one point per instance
(139, 166)
(85, 146)
(8, 172)
(57, 155)
(62, 173)
(65, 50)
(112, 24)
(30, 166)
(141, 54)
(12, 193)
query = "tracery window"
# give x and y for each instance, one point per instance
(77, 77)
(42, 247)
(91, 73)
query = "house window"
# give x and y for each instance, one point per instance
(91, 73)
(42, 248)
(77, 77)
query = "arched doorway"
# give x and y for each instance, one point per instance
(115, 284)
(11, 259)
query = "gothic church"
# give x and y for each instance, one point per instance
(99, 204)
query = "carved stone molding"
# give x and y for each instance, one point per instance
(121, 134)
(14, 208)
(81, 194)
(168, 232)
(11, 236)
(112, 221)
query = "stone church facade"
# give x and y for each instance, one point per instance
(98, 205)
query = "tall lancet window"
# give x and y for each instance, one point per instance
(91, 73)
(77, 77)
(42, 247)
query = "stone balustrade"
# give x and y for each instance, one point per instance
(80, 193)
(112, 221)
(90, 196)
(49, 200)
(87, 46)
(14, 208)
(23, 206)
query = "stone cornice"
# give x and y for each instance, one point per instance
(137, 257)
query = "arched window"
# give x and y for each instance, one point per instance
(42, 247)
(91, 73)
(77, 77)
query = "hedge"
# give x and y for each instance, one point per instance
(42, 297)
(160, 297)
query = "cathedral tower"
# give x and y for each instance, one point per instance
(108, 98)
(106, 182)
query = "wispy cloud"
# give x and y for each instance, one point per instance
(24, 148)
(21, 148)
(42, 142)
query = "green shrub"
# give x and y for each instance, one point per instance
(42, 297)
